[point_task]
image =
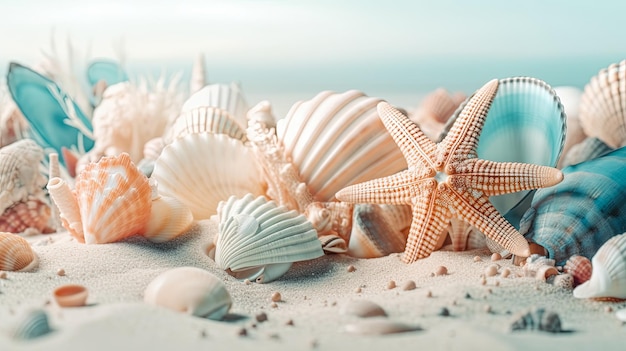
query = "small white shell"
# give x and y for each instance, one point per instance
(608, 276)
(225, 97)
(189, 290)
(258, 236)
(203, 169)
(206, 119)
(32, 325)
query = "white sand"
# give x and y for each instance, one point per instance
(313, 292)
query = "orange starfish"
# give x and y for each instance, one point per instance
(447, 179)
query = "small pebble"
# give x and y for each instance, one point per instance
(496, 257)
(363, 309)
(444, 312)
(3, 275)
(274, 305)
(477, 259)
(409, 285)
(61, 272)
(488, 309)
(391, 285)
(483, 280)
(453, 303)
(242, 332)
(468, 296)
(203, 334)
(505, 272)
(429, 293)
(358, 290)
(276, 297)
(247, 282)
(441, 270)
(608, 309)
(491, 270)
(261, 317)
(289, 322)
(351, 268)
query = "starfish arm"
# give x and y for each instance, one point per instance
(396, 189)
(496, 178)
(462, 139)
(480, 213)
(430, 219)
(413, 143)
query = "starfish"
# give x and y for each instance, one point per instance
(447, 179)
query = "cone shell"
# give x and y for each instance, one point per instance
(19, 172)
(203, 169)
(189, 290)
(169, 218)
(335, 140)
(579, 267)
(16, 253)
(225, 97)
(114, 199)
(578, 215)
(603, 106)
(255, 232)
(29, 214)
(608, 276)
(206, 120)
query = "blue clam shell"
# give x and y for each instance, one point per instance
(578, 215)
(108, 70)
(46, 108)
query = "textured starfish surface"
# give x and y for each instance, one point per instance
(447, 179)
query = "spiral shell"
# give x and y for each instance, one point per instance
(608, 275)
(19, 173)
(16, 253)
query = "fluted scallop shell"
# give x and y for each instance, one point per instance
(16, 253)
(578, 215)
(570, 98)
(31, 214)
(114, 199)
(31, 325)
(257, 233)
(19, 172)
(465, 236)
(206, 119)
(226, 97)
(579, 267)
(169, 218)
(189, 290)
(603, 105)
(203, 169)
(435, 110)
(587, 149)
(335, 140)
(608, 275)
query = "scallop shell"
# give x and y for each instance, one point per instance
(256, 233)
(578, 215)
(169, 218)
(335, 140)
(435, 110)
(603, 105)
(570, 98)
(114, 199)
(16, 254)
(203, 169)
(206, 119)
(31, 325)
(588, 149)
(31, 214)
(226, 97)
(579, 267)
(608, 276)
(19, 173)
(189, 290)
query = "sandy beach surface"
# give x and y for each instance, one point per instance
(308, 317)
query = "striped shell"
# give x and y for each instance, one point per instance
(435, 110)
(16, 253)
(570, 98)
(587, 149)
(169, 218)
(206, 119)
(189, 290)
(225, 97)
(30, 214)
(31, 325)
(603, 105)
(378, 230)
(19, 172)
(608, 276)
(579, 267)
(114, 199)
(578, 215)
(256, 235)
(203, 169)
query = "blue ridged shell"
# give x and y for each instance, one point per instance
(578, 215)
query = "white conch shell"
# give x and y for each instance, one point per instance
(222, 96)
(203, 169)
(608, 275)
(189, 290)
(256, 235)
(335, 140)
(19, 173)
(206, 119)
(169, 217)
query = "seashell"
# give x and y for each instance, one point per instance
(31, 325)
(570, 99)
(198, 74)
(588, 149)
(537, 319)
(335, 140)
(54, 170)
(205, 119)
(114, 199)
(331, 219)
(169, 218)
(379, 230)
(256, 234)
(70, 295)
(16, 254)
(435, 110)
(32, 214)
(545, 272)
(602, 107)
(363, 309)
(189, 290)
(225, 97)
(20, 178)
(578, 215)
(203, 169)
(608, 275)
(13, 125)
(151, 151)
(464, 236)
(262, 113)
(380, 327)
(579, 267)
(564, 281)
(69, 213)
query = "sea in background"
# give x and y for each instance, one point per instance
(402, 83)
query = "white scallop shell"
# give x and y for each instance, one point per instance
(225, 97)
(203, 169)
(206, 119)
(255, 232)
(169, 217)
(608, 275)
(189, 290)
(335, 140)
